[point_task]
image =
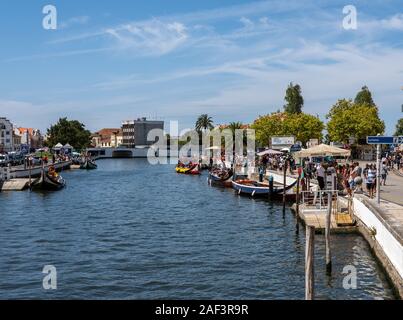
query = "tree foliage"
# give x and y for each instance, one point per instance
(364, 97)
(233, 126)
(294, 99)
(399, 128)
(301, 125)
(69, 131)
(204, 122)
(355, 120)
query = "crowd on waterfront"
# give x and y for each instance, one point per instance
(351, 176)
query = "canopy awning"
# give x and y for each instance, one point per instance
(269, 152)
(58, 146)
(322, 150)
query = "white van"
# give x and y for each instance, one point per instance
(4, 160)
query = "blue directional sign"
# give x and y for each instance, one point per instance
(384, 140)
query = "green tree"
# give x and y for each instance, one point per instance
(301, 125)
(348, 119)
(69, 131)
(364, 97)
(204, 122)
(294, 99)
(233, 126)
(399, 128)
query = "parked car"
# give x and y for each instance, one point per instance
(4, 160)
(16, 158)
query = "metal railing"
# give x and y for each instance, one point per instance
(318, 199)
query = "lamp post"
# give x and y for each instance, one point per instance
(378, 173)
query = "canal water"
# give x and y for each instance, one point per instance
(130, 230)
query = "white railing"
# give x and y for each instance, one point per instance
(318, 199)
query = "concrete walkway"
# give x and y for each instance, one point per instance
(391, 206)
(393, 191)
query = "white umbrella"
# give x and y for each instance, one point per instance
(323, 150)
(213, 148)
(269, 152)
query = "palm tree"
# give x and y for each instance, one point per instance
(233, 126)
(204, 122)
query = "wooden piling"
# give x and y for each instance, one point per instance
(309, 262)
(284, 184)
(327, 233)
(297, 205)
(30, 176)
(297, 196)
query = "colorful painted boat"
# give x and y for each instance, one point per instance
(256, 189)
(221, 177)
(193, 169)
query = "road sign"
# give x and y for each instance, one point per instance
(384, 140)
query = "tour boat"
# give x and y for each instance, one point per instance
(221, 177)
(88, 165)
(255, 188)
(48, 181)
(192, 169)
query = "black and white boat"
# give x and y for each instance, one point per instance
(48, 181)
(88, 165)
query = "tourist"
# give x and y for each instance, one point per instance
(358, 176)
(320, 176)
(384, 174)
(371, 180)
(261, 173)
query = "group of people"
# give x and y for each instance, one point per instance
(350, 177)
(394, 161)
(277, 162)
(30, 160)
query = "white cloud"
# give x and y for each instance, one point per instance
(153, 37)
(394, 22)
(80, 20)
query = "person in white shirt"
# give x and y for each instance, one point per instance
(320, 175)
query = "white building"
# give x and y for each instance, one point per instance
(6, 135)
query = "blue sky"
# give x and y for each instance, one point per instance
(111, 61)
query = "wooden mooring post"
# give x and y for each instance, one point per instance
(297, 204)
(284, 184)
(309, 262)
(327, 232)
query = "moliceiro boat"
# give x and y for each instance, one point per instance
(189, 169)
(48, 181)
(221, 177)
(88, 165)
(260, 189)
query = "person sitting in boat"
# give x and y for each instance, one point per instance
(52, 172)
